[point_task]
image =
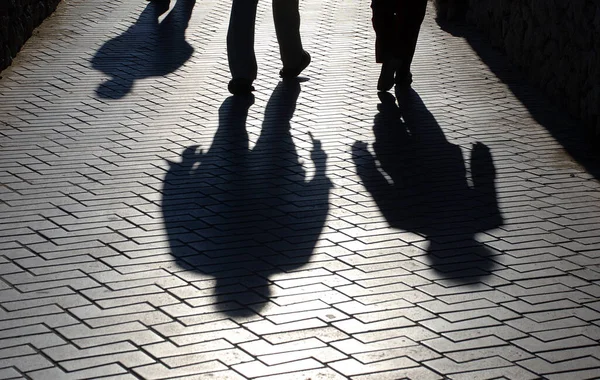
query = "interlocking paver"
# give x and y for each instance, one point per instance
(257, 368)
(153, 227)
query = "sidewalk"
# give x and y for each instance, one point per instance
(153, 227)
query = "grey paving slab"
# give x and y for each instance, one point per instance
(152, 226)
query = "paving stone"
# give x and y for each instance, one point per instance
(508, 352)
(446, 345)
(56, 373)
(326, 315)
(438, 306)
(583, 313)
(583, 374)
(414, 314)
(535, 345)
(523, 307)
(175, 329)
(127, 359)
(574, 353)
(27, 363)
(256, 368)
(441, 325)
(316, 374)
(352, 367)
(138, 337)
(265, 327)
(539, 366)
(512, 373)
(228, 357)
(409, 373)
(155, 299)
(447, 366)
(592, 332)
(498, 313)
(38, 340)
(325, 334)
(10, 373)
(417, 353)
(53, 321)
(233, 336)
(323, 355)
(152, 226)
(16, 351)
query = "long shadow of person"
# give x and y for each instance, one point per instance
(146, 49)
(241, 215)
(419, 182)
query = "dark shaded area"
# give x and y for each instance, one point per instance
(419, 182)
(147, 49)
(451, 9)
(242, 215)
(18, 19)
(579, 142)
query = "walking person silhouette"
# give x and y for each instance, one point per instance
(240, 42)
(397, 24)
(422, 184)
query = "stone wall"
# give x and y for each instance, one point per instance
(555, 42)
(18, 19)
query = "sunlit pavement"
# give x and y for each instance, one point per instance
(154, 227)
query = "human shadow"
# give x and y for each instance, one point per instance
(241, 215)
(580, 143)
(419, 182)
(148, 48)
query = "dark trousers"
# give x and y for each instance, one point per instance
(240, 36)
(397, 24)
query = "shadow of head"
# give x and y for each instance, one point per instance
(463, 260)
(114, 88)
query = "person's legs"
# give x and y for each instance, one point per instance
(240, 43)
(385, 24)
(287, 27)
(411, 14)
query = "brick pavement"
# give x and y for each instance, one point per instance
(154, 227)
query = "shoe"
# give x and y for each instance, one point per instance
(293, 72)
(240, 86)
(386, 99)
(387, 106)
(386, 77)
